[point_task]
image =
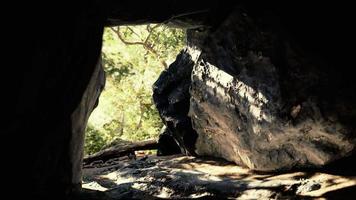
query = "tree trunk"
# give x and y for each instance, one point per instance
(120, 150)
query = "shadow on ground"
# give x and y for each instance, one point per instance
(182, 177)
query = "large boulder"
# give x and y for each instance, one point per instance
(258, 100)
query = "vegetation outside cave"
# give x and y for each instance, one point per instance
(133, 58)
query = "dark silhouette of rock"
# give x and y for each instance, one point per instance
(167, 145)
(171, 97)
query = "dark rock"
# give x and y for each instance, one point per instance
(167, 145)
(171, 97)
(57, 80)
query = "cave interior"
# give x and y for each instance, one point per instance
(51, 91)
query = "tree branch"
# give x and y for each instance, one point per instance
(118, 33)
(133, 32)
(146, 45)
(122, 124)
(142, 112)
(151, 31)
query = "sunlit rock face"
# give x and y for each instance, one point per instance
(80, 116)
(259, 102)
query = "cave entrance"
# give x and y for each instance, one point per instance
(133, 58)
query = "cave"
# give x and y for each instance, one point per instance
(268, 86)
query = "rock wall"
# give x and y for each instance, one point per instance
(80, 116)
(53, 86)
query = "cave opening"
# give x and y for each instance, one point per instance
(220, 101)
(133, 57)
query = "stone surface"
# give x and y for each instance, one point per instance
(259, 101)
(184, 177)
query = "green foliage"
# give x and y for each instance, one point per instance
(133, 58)
(94, 140)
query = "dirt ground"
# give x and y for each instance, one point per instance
(182, 177)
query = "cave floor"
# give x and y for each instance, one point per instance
(183, 177)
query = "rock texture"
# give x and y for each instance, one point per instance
(183, 177)
(257, 100)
